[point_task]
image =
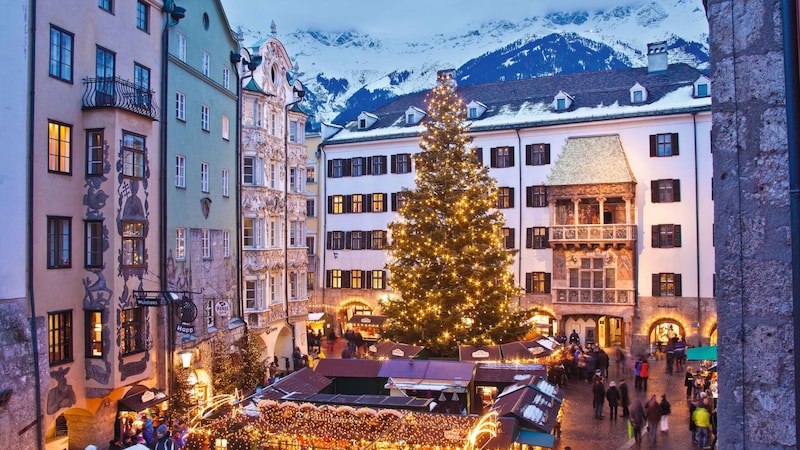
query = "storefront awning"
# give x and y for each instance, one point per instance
(536, 438)
(702, 353)
(140, 398)
(313, 317)
(367, 320)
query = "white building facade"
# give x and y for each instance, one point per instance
(605, 183)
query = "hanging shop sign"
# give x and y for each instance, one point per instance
(222, 308)
(187, 312)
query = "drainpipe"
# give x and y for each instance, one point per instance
(520, 209)
(31, 302)
(322, 225)
(162, 272)
(791, 74)
(697, 225)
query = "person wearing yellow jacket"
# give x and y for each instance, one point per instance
(701, 418)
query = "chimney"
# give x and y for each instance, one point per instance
(447, 77)
(657, 57)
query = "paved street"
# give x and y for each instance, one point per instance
(580, 430)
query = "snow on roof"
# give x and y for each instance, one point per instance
(591, 160)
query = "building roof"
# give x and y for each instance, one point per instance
(496, 373)
(591, 160)
(599, 95)
(535, 405)
(348, 368)
(479, 353)
(304, 381)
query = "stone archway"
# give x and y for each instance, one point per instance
(665, 328)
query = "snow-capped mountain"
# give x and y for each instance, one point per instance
(349, 72)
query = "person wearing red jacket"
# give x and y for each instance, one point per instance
(644, 373)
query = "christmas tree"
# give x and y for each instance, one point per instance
(448, 263)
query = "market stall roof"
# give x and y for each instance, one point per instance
(446, 372)
(304, 381)
(490, 373)
(535, 405)
(702, 353)
(479, 353)
(375, 401)
(139, 398)
(348, 368)
(367, 320)
(389, 349)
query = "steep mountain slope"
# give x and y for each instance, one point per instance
(349, 72)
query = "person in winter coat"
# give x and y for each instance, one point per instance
(637, 383)
(598, 398)
(624, 400)
(637, 421)
(644, 373)
(666, 409)
(147, 431)
(163, 440)
(652, 411)
(603, 362)
(612, 395)
(688, 381)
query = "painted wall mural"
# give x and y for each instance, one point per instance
(61, 396)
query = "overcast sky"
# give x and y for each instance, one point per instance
(387, 18)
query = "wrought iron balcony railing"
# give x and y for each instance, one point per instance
(114, 92)
(592, 234)
(591, 295)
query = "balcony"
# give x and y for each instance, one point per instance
(603, 296)
(118, 93)
(588, 234)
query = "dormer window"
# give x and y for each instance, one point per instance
(366, 120)
(702, 87)
(414, 115)
(410, 119)
(638, 93)
(562, 101)
(475, 110)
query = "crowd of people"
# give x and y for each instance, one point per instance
(154, 433)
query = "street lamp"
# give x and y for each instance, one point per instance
(297, 96)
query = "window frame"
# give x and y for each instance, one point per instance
(106, 5)
(59, 337)
(93, 243)
(132, 331)
(538, 282)
(134, 160)
(143, 16)
(133, 244)
(63, 51)
(180, 106)
(59, 242)
(226, 77)
(508, 235)
(59, 147)
(502, 157)
(180, 46)
(93, 321)
(505, 197)
(666, 236)
(377, 239)
(204, 178)
(95, 152)
(206, 64)
(537, 238)
(205, 242)
(226, 183)
(225, 127)
(536, 196)
(226, 243)
(665, 191)
(662, 282)
(664, 145)
(180, 244)
(205, 121)
(377, 201)
(537, 154)
(180, 171)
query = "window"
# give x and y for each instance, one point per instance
(180, 46)
(209, 310)
(293, 131)
(664, 144)
(226, 188)
(311, 174)
(293, 285)
(93, 243)
(505, 197)
(536, 196)
(142, 16)
(336, 204)
(311, 208)
(94, 334)
(537, 154)
(666, 236)
(132, 332)
(250, 294)
(206, 64)
(132, 244)
(180, 244)
(106, 5)
(204, 121)
(335, 279)
(248, 232)
(536, 237)
(357, 203)
(273, 227)
(591, 275)
(561, 103)
(206, 243)
(141, 82)
(477, 154)
(59, 232)
(398, 200)
(272, 177)
(702, 90)
(665, 191)
(59, 337)
(508, 237)
(293, 185)
(273, 290)
(335, 240)
(104, 71)
(502, 157)
(378, 279)
(94, 153)
(667, 285)
(357, 167)
(401, 163)
(180, 106)
(378, 240)
(357, 279)
(295, 233)
(248, 170)
(133, 148)
(378, 202)
(204, 177)
(377, 165)
(310, 281)
(537, 282)
(336, 169)
(357, 241)
(472, 113)
(180, 171)
(61, 48)
(226, 77)
(310, 247)
(226, 128)
(226, 243)
(638, 96)
(59, 148)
